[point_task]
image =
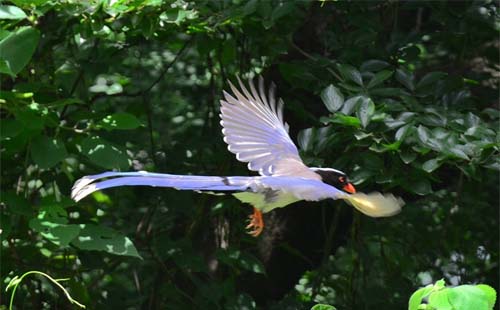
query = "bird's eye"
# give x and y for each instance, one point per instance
(341, 179)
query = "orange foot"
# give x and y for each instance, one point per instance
(256, 223)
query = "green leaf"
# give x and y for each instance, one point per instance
(240, 259)
(431, 165)
(282, 9)
(439, 300)
(9, 128)
(405, 78)
(430, 78)
(11, 12)
(229, 50)
(59, 234)
(120, 121)
(250, 7)
(350, 73)
(407, 156)
(379, 77)
(47, 152)
(402, 132)
(365, 111)
(351, 104)
(16, 204)
(423, 133)
(100, 238)
(17, 49)
(374, 65)
(468, 297)
(332, 98)
(345, 120)
(421, 187)
(389, 91)
(30, 119)
(104, 154)
(416, 298)
(489, 293)
(323, 307)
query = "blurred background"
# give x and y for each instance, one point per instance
(401, 95)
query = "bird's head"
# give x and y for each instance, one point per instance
(335, 178)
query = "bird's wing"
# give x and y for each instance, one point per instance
(301, 188)
(254, 130)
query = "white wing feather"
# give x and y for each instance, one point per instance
(254, 130)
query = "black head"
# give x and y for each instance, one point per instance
(335, 178)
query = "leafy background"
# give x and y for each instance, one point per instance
(403, 96)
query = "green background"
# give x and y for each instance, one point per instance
(402, 96)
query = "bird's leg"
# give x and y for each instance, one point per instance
(256, 223)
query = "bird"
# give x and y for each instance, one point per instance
(255, 131)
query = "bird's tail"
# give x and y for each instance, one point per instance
(89, 184)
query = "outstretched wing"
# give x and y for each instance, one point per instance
(254, 130)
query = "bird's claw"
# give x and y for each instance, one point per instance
(256, 223)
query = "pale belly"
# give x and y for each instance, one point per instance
(268, 200)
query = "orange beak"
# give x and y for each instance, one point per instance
(349, 188)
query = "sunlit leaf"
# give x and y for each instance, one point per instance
(11, 12)
(17, 49)
(100, 238)
(469, 297)
(417, 296)
(439, 300)
(104, 154)
(120, 121)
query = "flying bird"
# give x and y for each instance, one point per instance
(254, 129)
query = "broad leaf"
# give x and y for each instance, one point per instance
(104, 154)
(120, 121)
(416, 298)
(405, 78)
(468, 297)
(100, 238)
(374, 65)
(365, 111)
(379, 77)
(430, 78)
(47, 152)
(351, 104)
(332, 98)
(11, 12)
(17, 49)
(431, 165)
(350, 73)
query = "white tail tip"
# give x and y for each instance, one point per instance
(375, 204)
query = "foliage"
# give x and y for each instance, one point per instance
(480, 297)
(403, 96)
(14, 283)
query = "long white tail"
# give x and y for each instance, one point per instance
(89, 184)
